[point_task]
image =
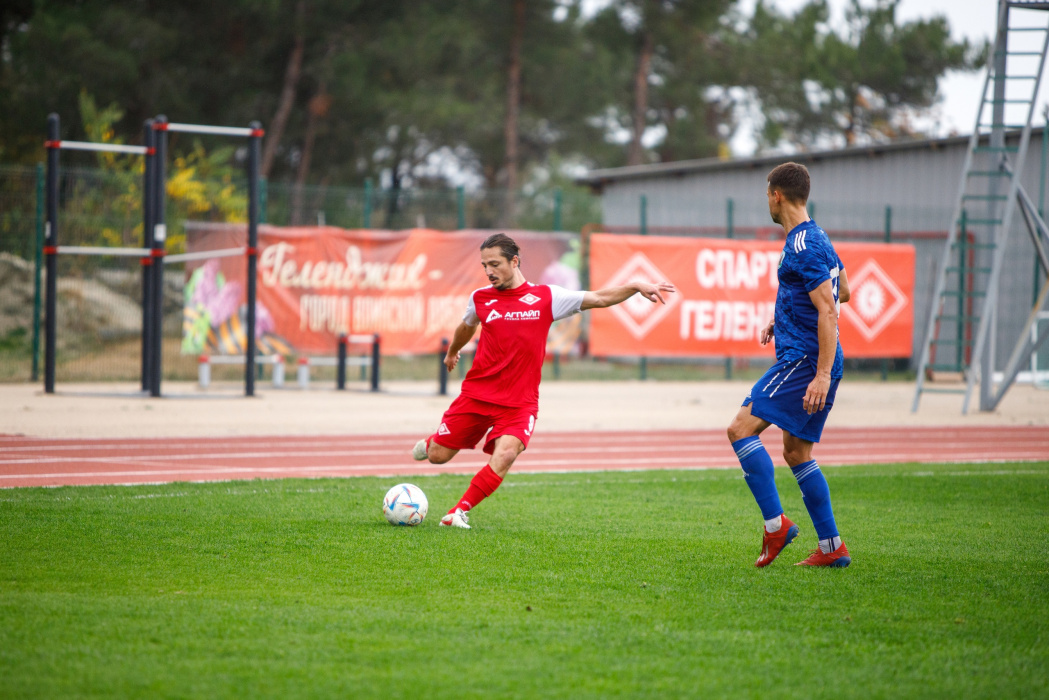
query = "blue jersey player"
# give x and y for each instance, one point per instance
(797, 393)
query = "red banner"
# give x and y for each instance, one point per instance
(410, 287)
(727, 294)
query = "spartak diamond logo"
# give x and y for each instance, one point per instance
(875, 302)
(637, 313)
(529, 298)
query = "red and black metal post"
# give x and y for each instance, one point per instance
(148, 185)
(160, 135)
(254, 154)
(51, 252)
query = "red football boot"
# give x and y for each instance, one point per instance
(838, 559)
(774, 542)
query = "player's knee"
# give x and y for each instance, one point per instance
(737, 430)
(794, 456)
(438, 455)
(506, 456)
(503, 458)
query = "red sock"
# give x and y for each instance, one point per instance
(483, 485)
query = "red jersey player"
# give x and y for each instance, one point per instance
(501, 390)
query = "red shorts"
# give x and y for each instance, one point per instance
(467, 420)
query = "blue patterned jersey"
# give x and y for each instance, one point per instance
(808, 260)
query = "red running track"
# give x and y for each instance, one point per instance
(45, 462)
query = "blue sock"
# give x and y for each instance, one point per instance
(816, 494)
(757, 469)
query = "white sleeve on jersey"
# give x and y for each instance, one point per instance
(564, 303)
(470, 317)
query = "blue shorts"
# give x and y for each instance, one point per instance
(779, 397)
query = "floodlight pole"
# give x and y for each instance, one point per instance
(51, 253)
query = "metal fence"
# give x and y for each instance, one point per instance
(442, 209)
(99, 310)
(21, 207)
(99, 313)
(674, 209)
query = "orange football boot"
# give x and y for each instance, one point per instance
(837, 559)
(774, 542)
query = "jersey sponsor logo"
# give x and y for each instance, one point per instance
(489, 303)
(876, 300)
(443, 430)
(637, 314)
(530, 315)
(529, 298)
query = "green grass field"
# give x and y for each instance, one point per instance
(569, 585)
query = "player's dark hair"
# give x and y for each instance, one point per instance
(504, 243)
(792, 180)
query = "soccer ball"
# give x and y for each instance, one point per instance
(405, 504)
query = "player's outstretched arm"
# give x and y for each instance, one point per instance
(464, 333)
(610, 296)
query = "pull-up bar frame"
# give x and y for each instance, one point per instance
(213, 130)
(253, 132)
(154, 237)
(102, 250)
(54, 144)
(104, 147)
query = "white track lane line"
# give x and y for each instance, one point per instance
(870, 450)
(702, 437)
(572, 465)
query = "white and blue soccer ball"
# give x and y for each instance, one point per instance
(405, 504)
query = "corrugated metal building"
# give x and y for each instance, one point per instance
(906, 189)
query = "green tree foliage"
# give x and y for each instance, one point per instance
(819, 87)
(667, 54)
(405, 93)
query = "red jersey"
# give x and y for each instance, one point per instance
(510, 352)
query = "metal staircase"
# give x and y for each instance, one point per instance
(961, 332)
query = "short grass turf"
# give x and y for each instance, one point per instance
(569, 585)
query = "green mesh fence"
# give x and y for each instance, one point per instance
(99, 303)
(446, 210)
(99, 306)
(19, 223)
(18, 204)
